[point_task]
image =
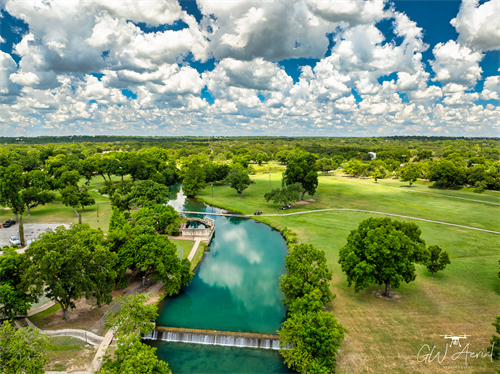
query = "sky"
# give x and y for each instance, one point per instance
(230, 67)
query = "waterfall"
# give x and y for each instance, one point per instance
(153, 335)
(224, 340)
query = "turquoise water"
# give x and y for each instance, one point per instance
(198, 358)
(235, 288)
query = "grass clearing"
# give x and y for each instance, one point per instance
(186, 245)
(385, 336)
(67, 353)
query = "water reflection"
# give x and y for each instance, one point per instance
(236, 286)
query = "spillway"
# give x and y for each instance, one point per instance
(209, 337)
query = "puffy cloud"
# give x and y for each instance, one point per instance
(479, 26)
(491, 89)
(257, 74)
(456, 64)
(352, 12)
(7, 68)
(272, 30)
(151, 12)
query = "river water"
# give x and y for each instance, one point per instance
(235, 288)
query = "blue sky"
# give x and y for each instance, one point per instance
(300, 67)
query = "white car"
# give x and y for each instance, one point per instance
(14, 240)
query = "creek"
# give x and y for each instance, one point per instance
(235, 288)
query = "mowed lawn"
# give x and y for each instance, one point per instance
(60, 213)
(385, 336)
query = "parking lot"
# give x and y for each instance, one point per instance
(31, 231)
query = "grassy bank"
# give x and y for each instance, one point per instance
(385, 335)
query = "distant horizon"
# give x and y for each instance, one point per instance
(251, 136)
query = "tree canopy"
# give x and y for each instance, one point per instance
(301, 168)
(438, 259)
(22, 350)
(410, 173)
(194, 177)
(147, 193)
(134, 316)
(310, 339)
(382, 251)
(238, 179)
(155, 256)
(70, 263)
(132, 356)
(285, 195)
(307, 271)
(14, 298)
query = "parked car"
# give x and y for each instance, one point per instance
(9, 222)
(14, 240)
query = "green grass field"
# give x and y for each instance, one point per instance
(60, 213)
(386, 335)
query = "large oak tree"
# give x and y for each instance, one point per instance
(302, 169)
(70, 263)
(382, 251)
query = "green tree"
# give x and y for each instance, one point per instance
(74, 196)
(355, 168)
(117, 220)
(11, 183)
(34, 196)
(148, 193)
(194, 177)
(70, 263)
(445, 174)
(410, 173)
(438, 259)
(36, 190)
(310, 302)
(155, 256)
(68, 178)
(325, 165)
(379, 173)
(89, 168)
(161, 218)
(238, 179)
(285, 195)
(382, 251)
(260, 158)
(14, 298)
(132, 356)
(134, 316)
(312, 340)
(307, 270)
(302, 169)
(22, 350)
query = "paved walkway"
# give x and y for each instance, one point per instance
(386, 214)
(194, 249)
(101, 352)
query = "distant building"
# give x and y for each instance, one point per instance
(373, 155)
